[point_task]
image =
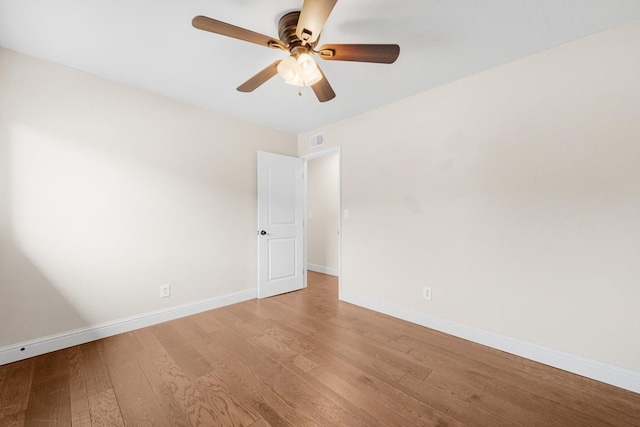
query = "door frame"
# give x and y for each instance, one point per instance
(322, 153)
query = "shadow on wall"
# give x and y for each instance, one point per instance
(47, 312)
(30, 303)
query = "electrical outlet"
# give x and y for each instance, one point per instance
(426, 292)
(165, 291)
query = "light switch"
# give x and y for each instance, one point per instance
(346, 214)
(310, 214)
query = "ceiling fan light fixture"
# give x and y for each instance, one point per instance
(299, 70)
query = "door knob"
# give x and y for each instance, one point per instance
(263, 232)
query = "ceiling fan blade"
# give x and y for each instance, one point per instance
(379, 53)
(222, 28)
(323, 90)
(254, 82)
(313, 15)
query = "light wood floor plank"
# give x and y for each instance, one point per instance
(138, 404)
(104, 409)
(229, 409)
(49, 403)
(186, 393)
(182, 352)
(79, 400)
(634, 398)
(231, 374)
(14, 420)
(96, 374)
(15, 386)
(161, 390)
(261, 423)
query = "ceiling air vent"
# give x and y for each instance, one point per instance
(316, 140)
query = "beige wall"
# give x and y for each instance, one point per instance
(108, 192)
(514, 194)
(323, 205)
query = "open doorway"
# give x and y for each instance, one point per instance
(323, 212)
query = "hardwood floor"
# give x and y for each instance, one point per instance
(299, 359)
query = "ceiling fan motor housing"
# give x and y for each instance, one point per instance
(287, 33)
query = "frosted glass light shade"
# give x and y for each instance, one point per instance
(299, 71)
(287, 69)
(306, 66)
(314, 78)
(296, 81)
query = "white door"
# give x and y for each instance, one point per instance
(280, 227)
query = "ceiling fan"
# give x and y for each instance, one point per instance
(299, 34)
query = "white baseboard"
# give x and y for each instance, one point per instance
(604, 372)
(36, 347)
(322, 269)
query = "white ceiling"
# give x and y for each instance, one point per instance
(152, 45)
